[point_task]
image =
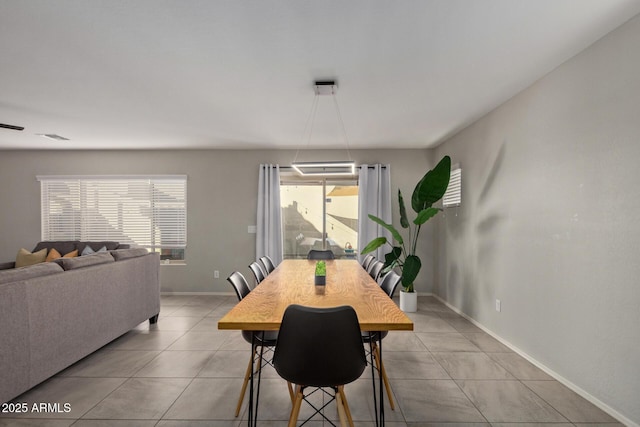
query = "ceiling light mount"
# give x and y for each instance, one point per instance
(325, 168)
(326, 87)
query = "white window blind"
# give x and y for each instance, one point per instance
(146, 211)
(453, 196)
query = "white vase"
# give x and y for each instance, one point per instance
(408, 301)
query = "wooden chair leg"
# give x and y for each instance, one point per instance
(341, 412)
(291, 395)
(343, 398)
(383, 372)
(295, 411)
(246, 381)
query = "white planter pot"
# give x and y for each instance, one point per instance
(408, 301)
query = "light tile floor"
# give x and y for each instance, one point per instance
(184, 372)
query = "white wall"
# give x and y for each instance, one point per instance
(549, 221)
(222, 201)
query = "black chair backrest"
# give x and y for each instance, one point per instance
(239, 284)
(390, 283)
(371, 265)
(367, 261)
(257, 271)
(316, 254)
(319, 347)
(376, 269)
(268, 264)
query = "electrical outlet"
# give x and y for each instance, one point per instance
(216, 274)
(498, 305)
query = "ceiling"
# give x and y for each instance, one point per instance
(159, 74)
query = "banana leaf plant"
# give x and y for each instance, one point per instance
(428, 191)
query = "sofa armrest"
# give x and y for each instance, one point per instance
(7, 265)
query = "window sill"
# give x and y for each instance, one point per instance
(172, 262)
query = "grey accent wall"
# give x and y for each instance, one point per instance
(549, 221)
(222, 200)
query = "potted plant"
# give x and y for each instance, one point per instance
(321, 274)
(428, 191)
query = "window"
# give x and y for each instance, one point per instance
(150, 212)
(453, 196)
(319, 215)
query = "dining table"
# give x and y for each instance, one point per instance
(292, 282)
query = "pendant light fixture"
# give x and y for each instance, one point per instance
(325, 168)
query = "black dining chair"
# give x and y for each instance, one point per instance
(268, 264)
(259, 339)
(388, 284)
(317, 254)
(320, 348)
(367, 261)
(258, 272)
(375, 269)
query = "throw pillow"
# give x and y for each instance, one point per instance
(88, 250)
(71, 254)
(53, 254)
(25, 257)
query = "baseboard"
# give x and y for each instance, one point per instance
(224, 294)
(581, 392)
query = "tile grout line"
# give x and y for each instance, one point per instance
(453, 380)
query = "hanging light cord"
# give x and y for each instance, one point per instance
(311, 118)
(344, 130)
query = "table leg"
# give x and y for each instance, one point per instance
(373, 382)
(255, 422)
(250, 414)
(381, 382)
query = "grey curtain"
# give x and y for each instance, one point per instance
(269, 216)
(374, 197)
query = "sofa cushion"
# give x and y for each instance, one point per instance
(25, 257)
(62, 246)
(29, 272)
(120, 254)
(85, 261)
(89, 251)
(96, 246)
(7, 265)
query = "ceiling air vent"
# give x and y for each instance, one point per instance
(12, 127)
(53, 136)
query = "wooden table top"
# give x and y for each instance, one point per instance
(292, 282)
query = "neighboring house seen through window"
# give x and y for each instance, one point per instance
(319, 214)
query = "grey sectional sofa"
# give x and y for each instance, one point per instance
(54, 314)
